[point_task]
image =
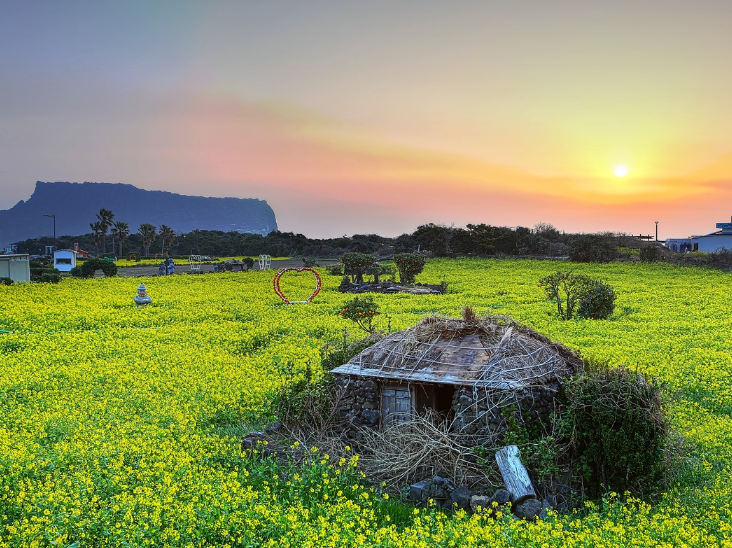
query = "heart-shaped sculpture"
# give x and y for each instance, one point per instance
(278, 290)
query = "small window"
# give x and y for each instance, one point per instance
(63, 261)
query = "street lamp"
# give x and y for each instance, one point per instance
(54, 229)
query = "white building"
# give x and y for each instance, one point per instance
(709, 243)
(16, 267)
(64, 259)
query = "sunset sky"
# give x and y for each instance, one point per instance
(378, 116)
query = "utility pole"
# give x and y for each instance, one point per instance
(656, 230)
(54, 229)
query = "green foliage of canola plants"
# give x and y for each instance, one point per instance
(119, 426)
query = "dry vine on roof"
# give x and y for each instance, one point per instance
(491, 353)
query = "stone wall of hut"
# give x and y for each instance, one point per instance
(358, 403)
(482, 412)
(476, 411)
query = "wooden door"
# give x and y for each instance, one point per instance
(396, 404)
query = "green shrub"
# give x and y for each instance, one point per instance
(649, 254)
(44, 272)
(90, 266)
(598, 301)
(51, 277)
(565, 289)
(541, 445)
(6, 281)
(578, 294)
(619, 429)
(362, 311)
(249, 262)
(302, 399)
(409, 265)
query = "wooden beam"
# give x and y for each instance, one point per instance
(514, 474)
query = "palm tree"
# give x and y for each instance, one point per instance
(121, 230)
(97, 232)
(105, 218)
(168, 236)
(148, 233)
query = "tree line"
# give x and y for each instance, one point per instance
(431, 239)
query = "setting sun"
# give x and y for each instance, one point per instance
(621, 171)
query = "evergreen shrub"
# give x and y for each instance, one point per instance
(620, 430)
(598, 301)
(90, 266)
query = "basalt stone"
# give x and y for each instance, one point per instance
(253, 440)
(461, 497)
(274, 427)
(480, 502)
(528, 509)
(545, 507)
(501, 496)
(371, 417)
(418, 492)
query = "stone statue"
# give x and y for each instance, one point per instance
(142, 298)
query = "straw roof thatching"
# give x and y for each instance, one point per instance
(492, 353)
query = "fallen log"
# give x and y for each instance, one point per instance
(515, 476)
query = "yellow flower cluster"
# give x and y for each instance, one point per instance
(120, 426)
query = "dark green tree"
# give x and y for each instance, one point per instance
(433, 238)
(105, 218)
(167, 234)
(121, 231)
(147, 232)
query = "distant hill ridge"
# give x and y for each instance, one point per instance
(76, 205)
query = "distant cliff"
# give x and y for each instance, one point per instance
(76, 205)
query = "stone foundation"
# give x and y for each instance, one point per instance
(476, 411)
(359, 401)
(480, 412)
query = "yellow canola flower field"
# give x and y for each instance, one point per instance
(120, 426)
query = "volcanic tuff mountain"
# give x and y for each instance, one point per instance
(76, 205)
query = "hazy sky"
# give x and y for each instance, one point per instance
(353, 116)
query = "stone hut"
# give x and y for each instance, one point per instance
(470, 370)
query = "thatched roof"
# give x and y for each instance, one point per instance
(494, 353)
